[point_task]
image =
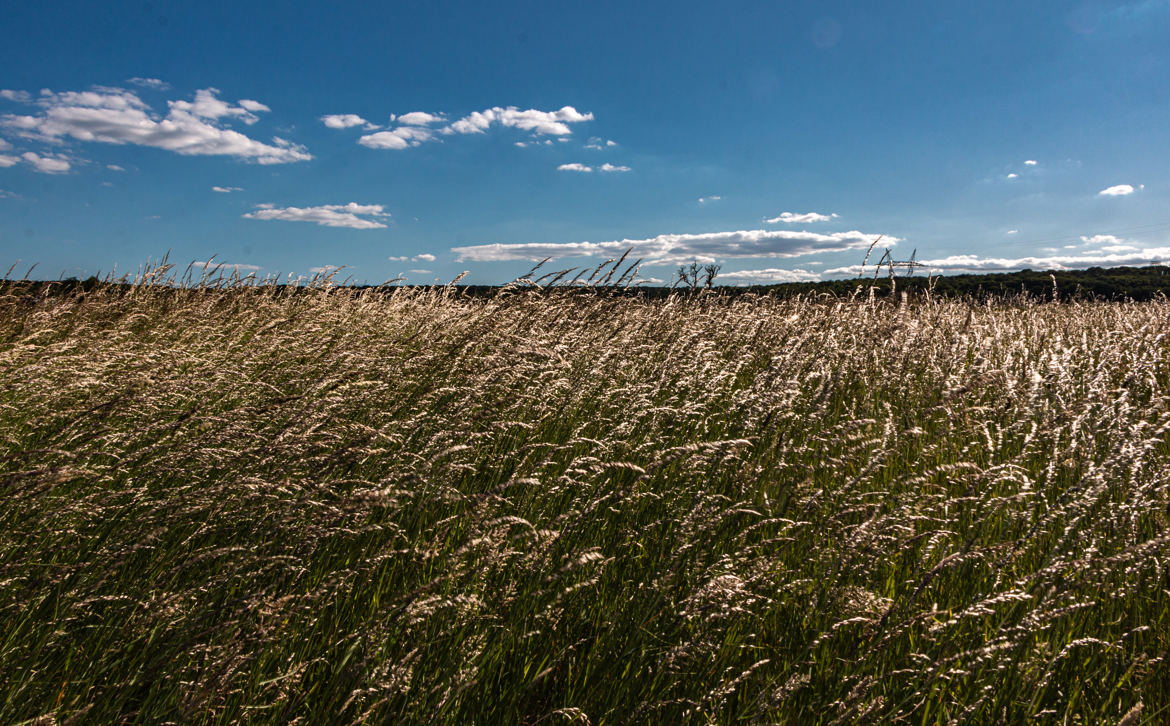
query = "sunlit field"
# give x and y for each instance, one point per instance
(231, 501)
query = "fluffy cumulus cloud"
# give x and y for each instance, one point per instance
(1119, 190)
(399, 138)
(548, 123)
(795, 218)
(352, 215)
(673, 248)
(344, 120)
(46, 164)
(607, 167)
(117, 116)
(419, 118)
(1128, 256)
(417, 127)
(768, 276)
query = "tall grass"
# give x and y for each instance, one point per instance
(264, 505)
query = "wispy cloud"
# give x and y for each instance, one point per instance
(151, 83)
(424, 257)
(672, 248)
(1120, 190)
(345, 121)
(769, 276)
(607, 167)
(115, 167)
(6, 161)
(225, 266)
(117, 116)
(795, 218)
(597, 143)
(352, 215)
(226, 190)
(325, 269)
(712, 198)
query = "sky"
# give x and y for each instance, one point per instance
(419, 140)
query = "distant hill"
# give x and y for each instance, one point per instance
(1100, 283)
(1112, 283)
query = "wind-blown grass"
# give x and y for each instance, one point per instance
(255, 504)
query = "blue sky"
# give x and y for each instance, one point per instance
(424, 139)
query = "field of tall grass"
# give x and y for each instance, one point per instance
(250, 503)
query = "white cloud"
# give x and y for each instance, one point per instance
(253, 106)
(398, 259)
(115, 116)
(4, 145)
(768, 276)
(208, 105)
(612, 167)
(352, 215)
(1031, 162)
(18, 96)
(574, 167)
(1102, 239)
(1012, 231)
(420, 272)
(419, 118)
(794, 218)
(597, 143)
(226, 266)
(974, 263)
(325, 269)
(115, 167)
(47, 164)
(344, 120)
(6, 161)
(152, 83)
(8, 195)
(226, 190)
(712, 198)
(673, 248)
(538, 122)
(399, 138)
(1013, 175)
(424, 257)
(1119, 190)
